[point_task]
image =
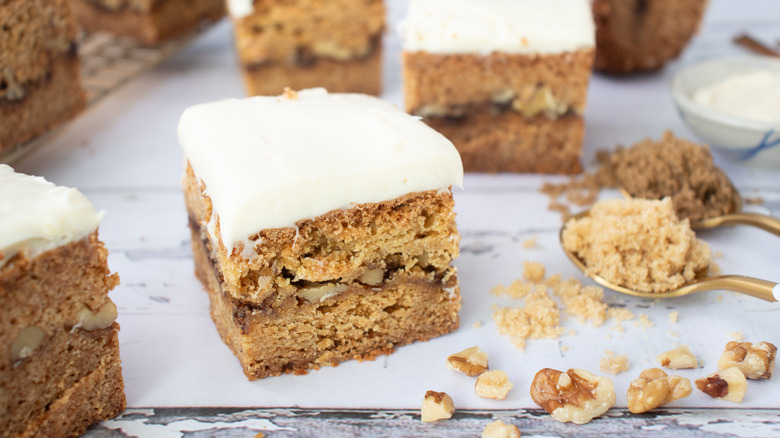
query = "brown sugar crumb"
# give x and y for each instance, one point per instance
(533, 271)
(644, 322)
(530, 242)
(674, 316)
(718, 254)
(477, 324)
(677, 168)
(637, 243)
(614, 363)
(753, 201)
(674, 334)
(619, 314)
(584, 302)
(538, 319)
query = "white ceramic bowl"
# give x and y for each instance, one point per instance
(749, 141)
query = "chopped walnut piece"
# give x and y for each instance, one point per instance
(678, 358)
(655, 388)
(756, 361)
(436, 406)
(499, 429)
(576, 395)
(471, 361)
(729, 384)
(493, 384)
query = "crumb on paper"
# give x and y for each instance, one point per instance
(674, 334)
(718, 254)
(674, 316)
(607, 336)
(259, 435)
(533, 271)
(477, 324)
(753, 200)
(564, 348)
(644, 322)
(614, 363)
(736, 336)
(538, 319)
(584, 302)
(619, 314)
(530, 242)
(720, 298)
(618, 328)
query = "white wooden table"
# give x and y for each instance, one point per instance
(181, 380)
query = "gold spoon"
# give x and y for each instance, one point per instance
(766, 290)
(735, 217)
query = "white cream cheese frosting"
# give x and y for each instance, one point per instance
(486, 26)
(268, 162)
(36, 215)
(240, 8)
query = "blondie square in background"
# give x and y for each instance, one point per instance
(335, 44)
(60, 370)
(39, 69)
(322, 227)
(147, 21)
(505, 80)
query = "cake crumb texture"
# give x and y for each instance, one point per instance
(39, 69)
(72, 378)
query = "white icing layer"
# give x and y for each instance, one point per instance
(240, 8)
(268, 162)
(36, 215)
(509, 26)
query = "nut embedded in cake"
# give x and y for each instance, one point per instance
(322, 227)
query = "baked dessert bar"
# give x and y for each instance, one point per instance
(640, 35)
(322, 227)
(335, 44)
(147, 21)
(60, 370)
(39, 69)
(505, 80)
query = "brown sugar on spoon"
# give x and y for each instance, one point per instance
(637, 243)
(677, 168)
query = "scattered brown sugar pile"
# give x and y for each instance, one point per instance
(678, 168)
(540, 317)
(613, 363)
(637, 243)
(653, 169)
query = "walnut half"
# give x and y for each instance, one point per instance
(576, 395)
(655, 388)
(756, 361)
(729, 384)
(471, 361)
